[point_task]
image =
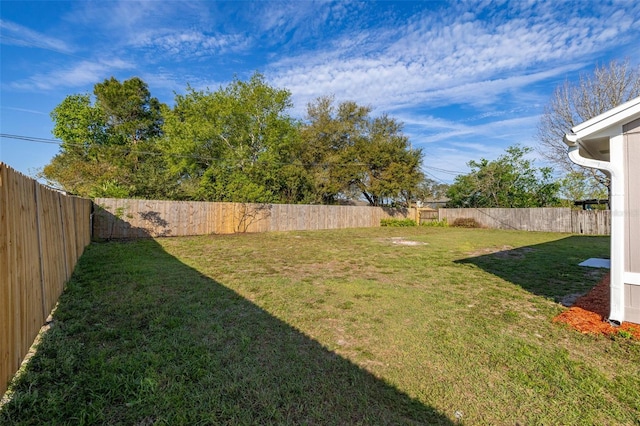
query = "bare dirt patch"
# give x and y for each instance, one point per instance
(399, 241)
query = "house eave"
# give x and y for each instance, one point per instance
(598, 125)
(589, 142)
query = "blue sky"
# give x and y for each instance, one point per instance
(468, 79)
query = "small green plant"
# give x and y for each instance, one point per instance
(466, 222)
(436, 223)
(625, 334)
(397, 222)
(119, 212)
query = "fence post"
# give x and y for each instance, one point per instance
(64, 237)
(40, 255)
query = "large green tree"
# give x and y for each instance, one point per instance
(350, 154)
(391, 168)
(510, 181)
(110, 146)
(129, 111)
(329, 146)
(236, 144)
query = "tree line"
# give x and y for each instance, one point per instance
(237, 143)
(240, 144)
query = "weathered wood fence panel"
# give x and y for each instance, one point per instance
(120, 218)
(546, 219)
(42, 235)
(591, 222)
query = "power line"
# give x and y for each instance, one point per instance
(445, 171)
(130, 151)
(435, 177)
(31, 139)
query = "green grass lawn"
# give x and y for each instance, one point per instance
(362, 326)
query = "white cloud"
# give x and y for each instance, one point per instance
(450, 145)
(427, 121)
(190, 43)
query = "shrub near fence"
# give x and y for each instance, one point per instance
(42, 235)
(120, 218)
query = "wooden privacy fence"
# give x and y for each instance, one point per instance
(123, 218)
(551, 219)
(42, 235)
(120, 218)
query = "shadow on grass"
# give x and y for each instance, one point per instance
(551, 269)
(141, 338)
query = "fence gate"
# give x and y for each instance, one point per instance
(427, 215)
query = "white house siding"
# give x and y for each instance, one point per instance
(632, 217)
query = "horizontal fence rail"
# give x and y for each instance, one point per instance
(42, 235)
(546, 219)
(120, 218)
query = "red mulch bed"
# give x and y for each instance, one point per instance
(589, 312)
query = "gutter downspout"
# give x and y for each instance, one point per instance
(616, 310)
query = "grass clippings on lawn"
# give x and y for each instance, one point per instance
(329, 327)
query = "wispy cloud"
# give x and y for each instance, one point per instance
(509, 130)
(449, 144)
(27, 110)
(18, 35)
(292, 23)
(122, 17)
(83, 74)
